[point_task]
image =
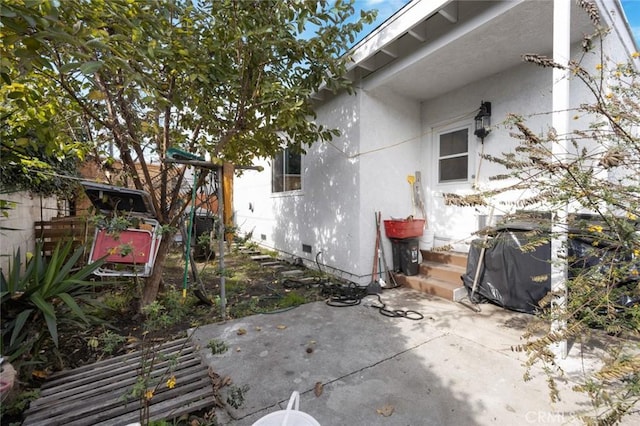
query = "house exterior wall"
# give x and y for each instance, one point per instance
(524, 90)
(323, 215)
(28, 209)
(389, 153)
(385, 138)
(342, 186)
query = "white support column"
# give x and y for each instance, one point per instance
(560, 122)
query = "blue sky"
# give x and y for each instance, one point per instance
(386, 8)
(632, 10)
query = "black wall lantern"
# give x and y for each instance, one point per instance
(483, 120)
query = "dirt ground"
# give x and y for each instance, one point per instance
(120, 328)
(250, 288)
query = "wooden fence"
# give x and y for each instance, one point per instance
(63, 229)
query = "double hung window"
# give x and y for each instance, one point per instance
(286, 171)
(453, 156)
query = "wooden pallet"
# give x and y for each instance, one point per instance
(97, 394)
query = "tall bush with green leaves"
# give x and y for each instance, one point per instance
(597, 180)
(230, 78)
(38, 295)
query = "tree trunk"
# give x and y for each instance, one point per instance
(152, 283)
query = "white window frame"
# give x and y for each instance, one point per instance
(471, 152)
(284, 175)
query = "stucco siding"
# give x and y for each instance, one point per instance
(323, 215)
(391, 129)
(390, 152)
(17, 229)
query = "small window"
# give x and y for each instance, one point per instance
(453, 156)
(286, 171)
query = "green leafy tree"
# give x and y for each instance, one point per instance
(231, 78)
(39, 138)
(597, 180)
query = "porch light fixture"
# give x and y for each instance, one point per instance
(483, 120)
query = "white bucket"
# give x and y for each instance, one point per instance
(426, 240)
(289, 417)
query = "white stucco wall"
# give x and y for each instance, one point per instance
(342, 186)
(521, 90)
(390, 152)
(324, 214)
(524, 90)
(385, 138)
(28, 209)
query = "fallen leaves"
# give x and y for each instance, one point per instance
(309, 349)
(241, 332)
(281, 326)
(386, 410)
(218, 382)
(319, 387)
(93, 343)
(39, 374)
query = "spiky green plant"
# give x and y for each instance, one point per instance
(43, 292)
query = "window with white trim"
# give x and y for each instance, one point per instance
(286, 171)
(453, 156)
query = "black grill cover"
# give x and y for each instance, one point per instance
(508, 276)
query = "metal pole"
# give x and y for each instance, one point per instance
(221, 231)
(560, 122)
(187, 249)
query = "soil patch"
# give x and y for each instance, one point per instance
(250, 286)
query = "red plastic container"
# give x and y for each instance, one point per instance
(404, 228)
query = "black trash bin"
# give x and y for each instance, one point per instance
(405, 255)
(203, 225)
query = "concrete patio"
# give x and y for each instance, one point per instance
(454, 367)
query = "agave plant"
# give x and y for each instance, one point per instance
(39, 294)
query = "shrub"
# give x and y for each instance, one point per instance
(41, 296)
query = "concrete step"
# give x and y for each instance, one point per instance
(445, 257)
(439, 274)
(441, 271)
(247, 251)
(434, 286)
(271, 262)
(292, 273)
(261, 257)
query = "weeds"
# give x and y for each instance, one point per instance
(15, 406)
(170, 309)
(110, 341)
(237, 395)
(154, 373)
(292, 299)
(217, 346)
